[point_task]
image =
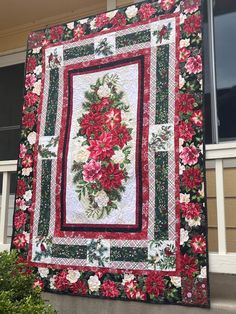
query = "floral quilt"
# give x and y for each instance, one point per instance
(110, 194)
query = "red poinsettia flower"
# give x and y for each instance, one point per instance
(92, 171)
(101, 148)
(109, 289)
(191, 210)
(28, 120)
(111, 177)
(30, 99)
(146, 11)
(112, 118)
(27, 161)
(191, 178)
(30, 79)
(101, 20)
(38, 283)
(197, 118)
(192, 24)
(194, 65)
(130, 289)
(118, 20)
(19, 219)
(167, 4)
(154, 285)
(198, 244)
(185, 103)
(31, 64)
(23, 150)
(20, 202)
(61, 282)
(56, 32)
(80, 287)
(121, 136)
(102, 105)
(78, 31)
(189, 155)
(189, 265)
(184, 53)
(91, 123)
(191, 6)
(140, 295)
(21, 187)
(19, 241)
(186, 131)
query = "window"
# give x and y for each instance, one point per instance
(225, 49)
(220, 69)
(11, 100)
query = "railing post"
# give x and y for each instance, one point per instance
(4, 207)
(220, 203)
(111, 5)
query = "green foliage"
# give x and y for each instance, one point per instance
(17, 293)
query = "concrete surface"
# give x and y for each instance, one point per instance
(223, 301)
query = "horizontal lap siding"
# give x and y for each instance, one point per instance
(230, 208)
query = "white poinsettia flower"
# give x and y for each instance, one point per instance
(81, 153)
(176, 281)
(38, 70)
(183, 236)
(93, 24)
(193, 222)
(43, 272)
(104, 91)
(118, 157)
(127, 278)
(28, 195)
(70, 25)
(203, 273)
(32, 138)
(184, 198)
(181, 81)
(131, 11)
(111, 14)
(83, 21)
(26, 171)
(37, 87)
(184, 43)
(52, 282)
(73, 276)
(37, 50)
(181, 169)
(182, 18)
(101, 199)
(94, 283)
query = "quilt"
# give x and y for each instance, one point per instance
(110, 198)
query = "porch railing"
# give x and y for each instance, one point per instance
(220, 262)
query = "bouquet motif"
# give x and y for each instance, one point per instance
(101, 165)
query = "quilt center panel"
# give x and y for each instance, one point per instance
(101, 151)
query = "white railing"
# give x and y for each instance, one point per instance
(221, 261)
(6, 168)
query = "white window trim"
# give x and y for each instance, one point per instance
(12, 57)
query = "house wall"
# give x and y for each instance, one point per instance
(230, 208)
(16, 37)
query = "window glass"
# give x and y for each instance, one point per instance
(207, 96)
(225, 50)
(11, 99)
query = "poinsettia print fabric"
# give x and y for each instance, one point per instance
(110, 194)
